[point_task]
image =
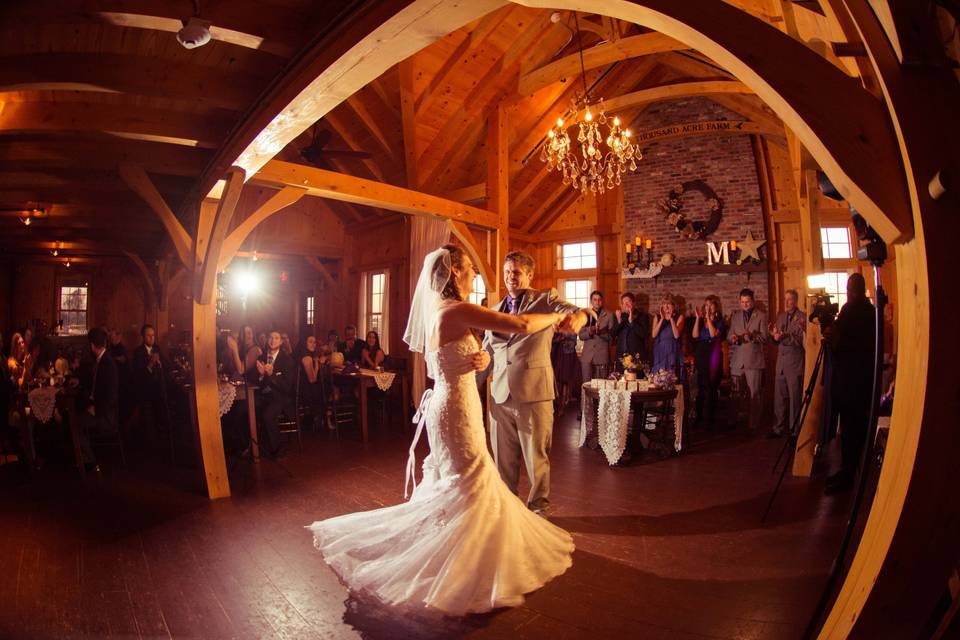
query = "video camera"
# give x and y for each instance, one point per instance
(822, 309)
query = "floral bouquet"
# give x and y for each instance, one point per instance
(664, 379)
(632, 365)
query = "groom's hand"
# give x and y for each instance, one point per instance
(481, 360)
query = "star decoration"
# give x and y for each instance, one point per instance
(749, 248)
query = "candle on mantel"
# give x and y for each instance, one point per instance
(649, 243)
(636, 241)
(733, 245)
(629, 248)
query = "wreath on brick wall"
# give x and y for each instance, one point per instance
(672, 208)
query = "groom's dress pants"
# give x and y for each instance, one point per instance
(523, 431)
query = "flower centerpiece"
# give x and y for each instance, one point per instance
(632, 365)
(664, 379)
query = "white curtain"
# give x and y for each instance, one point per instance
(427, 234)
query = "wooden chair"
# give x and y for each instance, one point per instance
(291, 424)
(110, 440)
(343, 409)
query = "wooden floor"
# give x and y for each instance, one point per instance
(666, 549)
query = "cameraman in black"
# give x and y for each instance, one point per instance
(851, 340)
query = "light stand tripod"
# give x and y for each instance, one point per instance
(875, 251)
(789, 447)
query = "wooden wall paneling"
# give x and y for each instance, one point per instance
(279, 200)
(498, 190)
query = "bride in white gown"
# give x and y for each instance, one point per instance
(463, 543)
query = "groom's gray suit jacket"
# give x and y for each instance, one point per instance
(521, 364)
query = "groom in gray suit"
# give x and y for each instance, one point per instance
(521, 388)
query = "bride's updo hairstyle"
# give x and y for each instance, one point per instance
(450, 291)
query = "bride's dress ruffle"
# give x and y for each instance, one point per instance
(463, 543)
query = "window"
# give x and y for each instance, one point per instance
(479, 290)
(835, 242)
(223, 308)
(374, 305)
(837, 286)
(308, 306)
(73, 309)
(578, 255)
(577, 291)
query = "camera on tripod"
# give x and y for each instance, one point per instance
(821, 309)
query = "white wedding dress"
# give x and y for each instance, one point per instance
(463, 543)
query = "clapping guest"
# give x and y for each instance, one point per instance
(748, 334)
(631, 329)
(788, 332)
(275, 371)
(596, 337)
(15, 361)
(708, 331)
(666, 331)
(371, 355)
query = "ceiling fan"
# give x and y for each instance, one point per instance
(317, 153)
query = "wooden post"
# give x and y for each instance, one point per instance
(498, 197)
(610, 244)
(207, 401)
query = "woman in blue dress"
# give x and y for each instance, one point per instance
(708, 332)
(667, 344)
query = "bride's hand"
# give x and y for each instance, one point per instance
(481, 360)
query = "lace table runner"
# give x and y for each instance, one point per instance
(42, 402)
(226, 395)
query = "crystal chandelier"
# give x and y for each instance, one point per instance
(602, 161)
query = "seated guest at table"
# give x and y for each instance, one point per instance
(27, 333)
(98, 410)
(228, 355)
(285, 343)
(249, 349)
(666, 332)
(371, 355)
(275, 370)
(262, 341)
(708, 336)
(15, 361)
(351, 348)
(333, 341)
(149, 375)
(312, 362)
(630, 330)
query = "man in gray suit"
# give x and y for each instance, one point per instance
(788, 332)
(596, 337)
(747, 335)
(521, 387)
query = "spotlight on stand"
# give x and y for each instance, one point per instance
(246, 281)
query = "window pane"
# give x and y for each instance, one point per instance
(579, 255)
(837, 286)
(479, 290)
(377, 283)
(839, 235)
(376, 303)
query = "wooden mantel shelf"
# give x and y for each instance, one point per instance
(703, 269)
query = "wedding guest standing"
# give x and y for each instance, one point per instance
(852, 349)
(788, 333)
(666, 332)
(631, 329)
(149, 376)
(371, 355)
(275, 370)
(596, 337)
(566, 368)
(748, 334)
(101, 411)
(708, 331)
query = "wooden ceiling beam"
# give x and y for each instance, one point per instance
(598, 56)
(278, 31)
(342, 58)
(102, 153)
(471, 193)
(209, 255)
(373, 126)
(141, 184)
(408, 121)
(337, 186)
(460, 58)
(136, 75)
(342, 129)
(670, 92)
(188, 129)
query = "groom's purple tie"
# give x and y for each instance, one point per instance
(514, 305)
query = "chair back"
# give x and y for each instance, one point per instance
(601, 371)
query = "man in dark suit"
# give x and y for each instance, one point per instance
(631, 330)
(99, 402)
(148, 376)
(276, 370)
(351, 348)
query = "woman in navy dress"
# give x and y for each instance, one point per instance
(667, 331)
(708, 330)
